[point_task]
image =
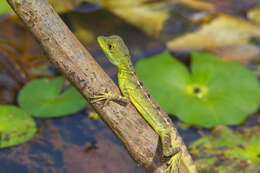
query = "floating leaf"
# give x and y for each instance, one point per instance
(93, 115)
(227, 151)
(254, 14)
(227, 35)
(63, 6)
(43, 98)
(16, 126)
(4, 7)
(223, 31)
(137, 13)
(215, 92)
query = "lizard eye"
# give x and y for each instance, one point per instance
(110, 46)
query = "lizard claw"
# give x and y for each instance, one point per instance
(101, 96)
(108, 96)
(173, 164)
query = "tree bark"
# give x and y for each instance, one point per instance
(76, 63)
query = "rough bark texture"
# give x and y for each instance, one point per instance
(76, 63)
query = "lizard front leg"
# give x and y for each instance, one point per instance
(108, 96)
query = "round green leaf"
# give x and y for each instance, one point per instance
(44, 98)
(16, 126)
(215, 92)
(4, 7)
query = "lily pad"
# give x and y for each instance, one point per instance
(16, 126)
(4, 7)
(214, 93)
(227, 151)
(44, 98)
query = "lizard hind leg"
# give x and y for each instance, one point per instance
(174, 163)
(170, 151)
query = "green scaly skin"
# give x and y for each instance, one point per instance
(133, 89)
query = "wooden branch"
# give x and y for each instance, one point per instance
(76, 63)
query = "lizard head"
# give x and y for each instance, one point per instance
(115, 50)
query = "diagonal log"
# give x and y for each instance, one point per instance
(76, 63)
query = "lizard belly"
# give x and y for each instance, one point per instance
(147, 110)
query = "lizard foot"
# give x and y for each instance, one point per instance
(173, 164)
(102, 96)
(108, 96)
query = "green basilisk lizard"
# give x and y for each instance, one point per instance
(134, 91)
